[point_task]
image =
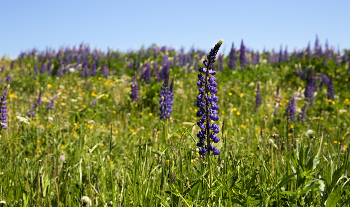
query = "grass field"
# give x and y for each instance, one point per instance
(118, 152)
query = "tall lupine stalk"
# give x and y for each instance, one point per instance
(165, 100)
(258, 100)
(37, 103)
(134, 90)
(242, 58)
(3, 109)
(330, 88)
(291, 109)
(206, 102)
(309, 91)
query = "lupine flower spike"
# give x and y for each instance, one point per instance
(51, 104)
(165, 100)
(206, 102)
(134, 90)
(330, 89)
(258, 99)
(37, 103)
(3, 109)
(291, 109)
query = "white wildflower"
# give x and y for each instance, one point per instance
(50, 119)
(61, 86)
(342, 111)
(308, 132)
(74, 100)
(71, 70)
(86, 201)
(23, 119)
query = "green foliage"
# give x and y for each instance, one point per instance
(119, 151)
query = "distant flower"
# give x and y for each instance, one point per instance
(23, 119)
(51, 104)
(308, 93)
(330, 89)
(134, 90)
(291, 109)
(37, 103)
(165, 100)
(242, 58)
(3, 109)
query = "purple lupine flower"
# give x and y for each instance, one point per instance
(277, 101)
(258, 100)
(314, 80)
(232, 58)
(9, 78)
(330, 89)
(93, 69)
(36, 70)
(105, 71)
(308, 51)
(147, 73)
(302, 114)
(286, 56)
(51, 104)
(134, 90)
(165, 100)
(317, 46)
(280, 56)
(220, 66)
(300, 73)
(309, 91)
(206, 102)
(37, 103)
(3, 109)
(3, 68)
(60, 69)
(12, 64)
(291, 109)
(324, 80)
(93, 103)
(242, 58)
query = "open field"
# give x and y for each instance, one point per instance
(77, 127)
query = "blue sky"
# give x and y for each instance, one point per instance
(129, 24)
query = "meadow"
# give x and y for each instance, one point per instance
(83, 127)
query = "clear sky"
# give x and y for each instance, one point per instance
(129, 24)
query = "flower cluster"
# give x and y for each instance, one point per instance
(206, 102)
(37, 103)
(232, 58)
(3, 109)
(242, 58)
(291, 108)
(330, 89)
(134, 90)
(165, 100)
(51, 104)
(309, 91)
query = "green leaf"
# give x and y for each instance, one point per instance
(333, 198)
